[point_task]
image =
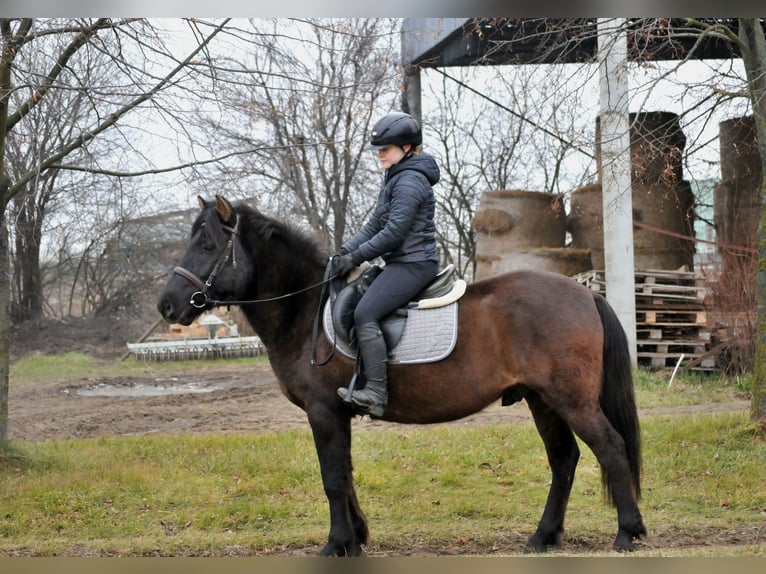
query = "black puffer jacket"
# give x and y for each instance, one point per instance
(401, 228)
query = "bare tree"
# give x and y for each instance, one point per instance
(752, 41)
(36, 135)
(23, 92)
(745, 36)
(302, 103)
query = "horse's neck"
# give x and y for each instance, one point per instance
(288, 319)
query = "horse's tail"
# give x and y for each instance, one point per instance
(617, 399)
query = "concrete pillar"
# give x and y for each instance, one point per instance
(616, 180)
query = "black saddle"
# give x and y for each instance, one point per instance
(347, 296)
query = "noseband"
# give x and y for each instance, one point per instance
(199, 299)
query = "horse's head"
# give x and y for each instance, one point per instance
(214, 267)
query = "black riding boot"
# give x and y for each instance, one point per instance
(373, 398)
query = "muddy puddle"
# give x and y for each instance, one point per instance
(158, 388)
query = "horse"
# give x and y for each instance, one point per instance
(525, 335)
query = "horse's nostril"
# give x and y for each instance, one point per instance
(165, 307)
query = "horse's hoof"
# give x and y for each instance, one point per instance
(624, 547)
(624, 541)
(542, 542)
(334, 550)
(330, 550)
(539, 545)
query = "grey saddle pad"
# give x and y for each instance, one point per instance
(429, 335)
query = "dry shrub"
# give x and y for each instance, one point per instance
(734, 297)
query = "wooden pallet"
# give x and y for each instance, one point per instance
(674, 318)
(670, 360)
(671, 317)
(653, 334)
(665, 285)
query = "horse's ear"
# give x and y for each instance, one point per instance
(201, 202)
(223, 208)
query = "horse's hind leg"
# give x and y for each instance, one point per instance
(563, 455)
(609, 448)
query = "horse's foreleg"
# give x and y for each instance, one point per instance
(348, 526)
(563, 455)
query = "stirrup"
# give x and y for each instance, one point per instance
(349, 391)
(347, 394)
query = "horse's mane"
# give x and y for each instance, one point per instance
(256, 228)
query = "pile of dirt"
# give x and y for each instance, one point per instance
(102, 337)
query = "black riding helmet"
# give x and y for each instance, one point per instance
(396, 128)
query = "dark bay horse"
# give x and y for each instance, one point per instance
(529, 335)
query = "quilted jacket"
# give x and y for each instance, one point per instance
(401, 227)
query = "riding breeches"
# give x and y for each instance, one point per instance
(396, 285)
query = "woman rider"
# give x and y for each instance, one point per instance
(401, 231)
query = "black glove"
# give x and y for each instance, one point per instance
(343, 264)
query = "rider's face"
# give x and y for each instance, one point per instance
(391, 155)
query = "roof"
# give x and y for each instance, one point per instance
(440, 42)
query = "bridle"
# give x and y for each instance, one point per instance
(200, 299)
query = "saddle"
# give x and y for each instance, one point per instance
(444, 289)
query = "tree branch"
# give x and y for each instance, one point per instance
(187, 165)
(111, 119)
(79, 41)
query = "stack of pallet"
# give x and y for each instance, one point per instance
(671, 317)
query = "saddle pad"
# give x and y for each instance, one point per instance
(429, 336)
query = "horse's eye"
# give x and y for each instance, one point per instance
(206, 242)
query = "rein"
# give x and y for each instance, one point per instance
(222, 302)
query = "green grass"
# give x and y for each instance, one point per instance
(440, 486)
(256, 494)
(655, 388)
(42, 368)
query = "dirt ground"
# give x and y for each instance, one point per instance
(215, 398)
(221, 398)
(224, 399)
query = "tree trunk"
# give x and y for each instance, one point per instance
(6, 61)
(26, 269)
(753, 44)
(5, 328)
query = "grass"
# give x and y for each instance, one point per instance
(655, 388)
(440, 487)
(42, 368)
(256, 494)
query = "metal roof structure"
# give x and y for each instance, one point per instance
(437, 42)
(445, 42)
